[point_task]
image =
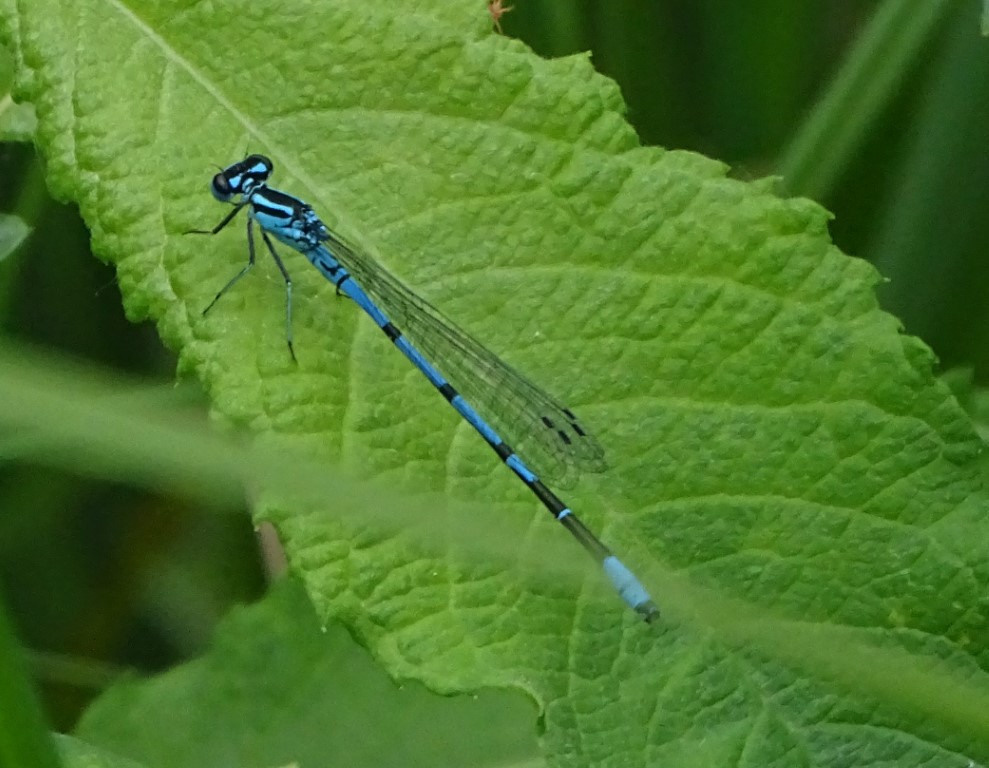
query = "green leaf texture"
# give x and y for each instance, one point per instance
(786, 473)
(16, 120)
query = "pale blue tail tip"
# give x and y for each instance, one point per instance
(630, 589)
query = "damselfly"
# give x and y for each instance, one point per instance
(547, 431)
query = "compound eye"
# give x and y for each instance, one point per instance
(221, 189)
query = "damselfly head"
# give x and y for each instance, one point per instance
(240, 178)
(220, 187)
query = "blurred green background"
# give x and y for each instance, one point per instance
(99, 577)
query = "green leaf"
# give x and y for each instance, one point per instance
(13, 232)
(973, 398)
(17, 121)
(861, 91)
(24, 738)
(78, 754)
(277, 688)
(798, 490)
